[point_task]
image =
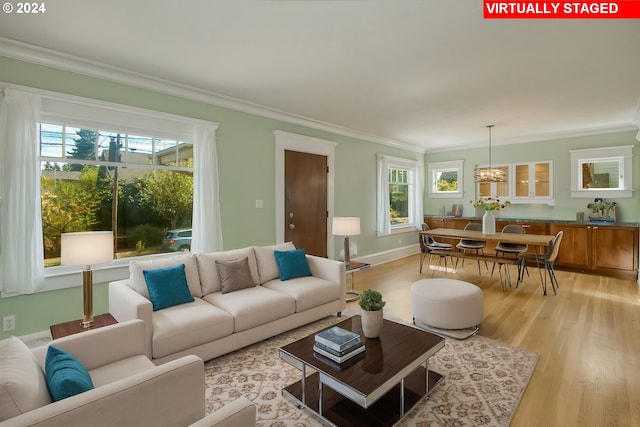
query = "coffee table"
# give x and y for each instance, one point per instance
(375, 388)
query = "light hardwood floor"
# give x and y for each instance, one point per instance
(588, 338)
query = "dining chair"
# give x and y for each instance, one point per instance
(473, 245)
(546, 259)
(428, 244)
(505, 249)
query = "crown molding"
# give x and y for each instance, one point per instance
(65, 62)
(541, 137)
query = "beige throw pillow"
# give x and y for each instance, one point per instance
(266, 259)
(23, 386)
(235, 275)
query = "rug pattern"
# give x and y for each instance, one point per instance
(484, 382)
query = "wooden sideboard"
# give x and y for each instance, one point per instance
(605, 250)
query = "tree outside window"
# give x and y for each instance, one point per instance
(140, 187)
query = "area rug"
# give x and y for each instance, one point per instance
(484, 382)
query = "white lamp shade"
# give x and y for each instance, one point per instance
(86, 248)
(346, 226)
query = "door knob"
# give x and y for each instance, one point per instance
(292, 226)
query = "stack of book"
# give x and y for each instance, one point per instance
(338, 344)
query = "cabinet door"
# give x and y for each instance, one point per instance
(521, 176)
(575, 251)
(532, 182)
(615, 248)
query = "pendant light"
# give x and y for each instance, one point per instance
(490, 174)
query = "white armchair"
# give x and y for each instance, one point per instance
(129, 389)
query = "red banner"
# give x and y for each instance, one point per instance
(622, 9)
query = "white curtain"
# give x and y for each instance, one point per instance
(418, 209)
(383, 224)
(206, 224)
(21, 248)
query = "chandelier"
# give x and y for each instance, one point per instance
(490, 174)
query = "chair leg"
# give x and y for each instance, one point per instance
(422, 257)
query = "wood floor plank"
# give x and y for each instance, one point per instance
(588, 337)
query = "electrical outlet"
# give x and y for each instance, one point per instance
(9, 323)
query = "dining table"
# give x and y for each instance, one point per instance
(539, 242)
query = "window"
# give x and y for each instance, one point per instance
(72, 157)
(401, 183)
(139, 186)
(601, 172)
(446, 179)
(399, 195)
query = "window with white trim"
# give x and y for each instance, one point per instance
(132, 175)
(602, 172)
(446, 179)
(399, 195)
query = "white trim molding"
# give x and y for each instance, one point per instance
(62, 61)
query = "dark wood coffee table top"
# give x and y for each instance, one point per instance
(386, 359)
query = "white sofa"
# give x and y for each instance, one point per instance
(218, 322)
(129, 390)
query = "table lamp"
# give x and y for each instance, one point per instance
(346, 226)
(87, 248)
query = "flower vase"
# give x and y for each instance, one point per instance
(488, 223)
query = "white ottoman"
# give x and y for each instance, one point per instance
(447, 304)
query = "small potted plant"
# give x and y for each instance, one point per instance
(371, 304)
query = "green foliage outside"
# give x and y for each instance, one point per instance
(148, 203)
(448, 181)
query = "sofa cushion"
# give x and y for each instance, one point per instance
(137, 282)
(209, 275)
(292, 264)
(66, 376)
(167, 286)
(308, 292)
(187, 325)
(120, 369)
(266, 259)
(253, 306)
(23, 386)
(235, 275)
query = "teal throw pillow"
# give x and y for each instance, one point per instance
(167, 286)
(292, 264)
(65, 376)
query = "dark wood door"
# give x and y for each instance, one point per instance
(305, 202)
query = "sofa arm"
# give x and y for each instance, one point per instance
(126, 304)
(99, 347)
(168, 395)
(332, 271)
(239, 413)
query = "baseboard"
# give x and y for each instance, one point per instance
(390, 255)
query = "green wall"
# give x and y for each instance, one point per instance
(565, 207)
(246, 157)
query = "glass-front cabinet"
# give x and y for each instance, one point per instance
(498, 190)
(533, 182)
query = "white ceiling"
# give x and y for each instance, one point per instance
(429, 74)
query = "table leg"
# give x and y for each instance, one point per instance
(319, 396)
(352, 295)
(402, 398)
(426, 377)
(303, 383)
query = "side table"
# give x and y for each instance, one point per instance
(354, 266)
(74, 327)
